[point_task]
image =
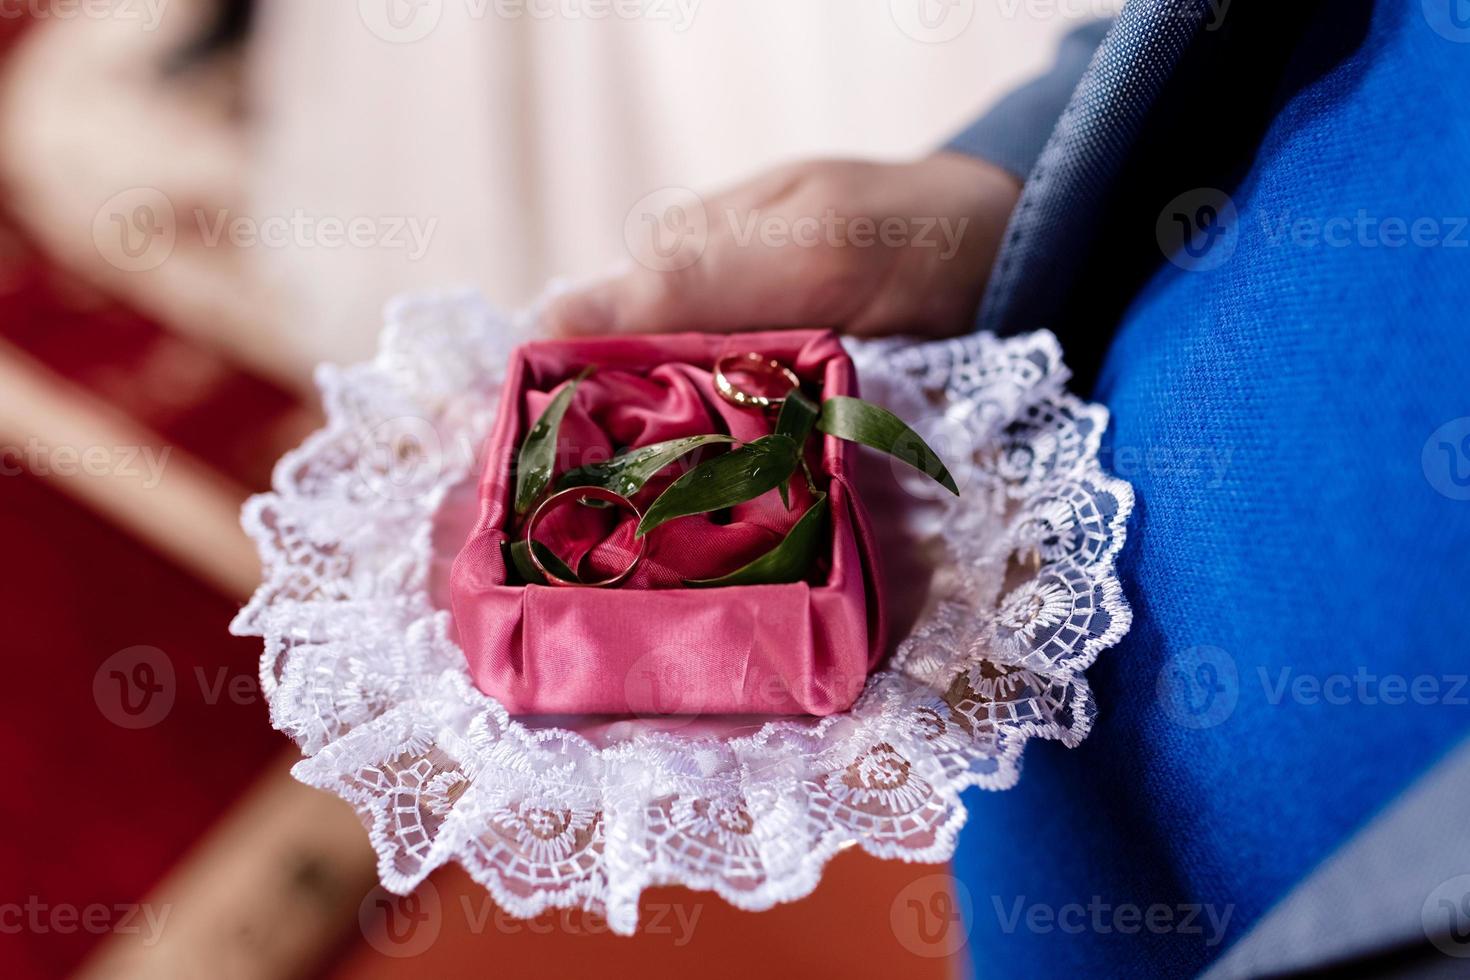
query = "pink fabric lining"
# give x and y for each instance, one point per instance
(653, 647)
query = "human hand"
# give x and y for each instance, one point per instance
(863, 248)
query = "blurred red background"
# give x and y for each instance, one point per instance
(106, 805)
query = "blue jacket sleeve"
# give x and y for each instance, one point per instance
(1011, 135)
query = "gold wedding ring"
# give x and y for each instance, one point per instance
(581, 495)
(756, 366)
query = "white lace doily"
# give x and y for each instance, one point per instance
(361, 669)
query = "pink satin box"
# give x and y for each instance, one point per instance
(652, 646)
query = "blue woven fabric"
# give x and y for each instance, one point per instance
(1284, 403)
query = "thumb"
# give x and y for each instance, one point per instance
(585, 312)
(637, 302)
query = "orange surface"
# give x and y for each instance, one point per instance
(868, 918)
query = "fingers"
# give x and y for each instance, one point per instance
(789, 250)
(716, 285)
(635, 302)
(732, 287)
(584, 313)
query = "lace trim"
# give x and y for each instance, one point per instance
(361, 670)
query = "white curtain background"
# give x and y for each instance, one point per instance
(523, 131)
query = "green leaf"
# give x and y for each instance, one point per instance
(789, 561)
(520, 557)
(858, 421)
(798, 414)
(626, 474)
(538, 452)
(739, 475)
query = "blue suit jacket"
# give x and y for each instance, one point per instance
(1251, 232)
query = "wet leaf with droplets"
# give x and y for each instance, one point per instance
(537, 458)
(739, 475)
(627, 474)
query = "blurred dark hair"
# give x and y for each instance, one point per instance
(226, 30)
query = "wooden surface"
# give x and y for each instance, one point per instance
(867, 919)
